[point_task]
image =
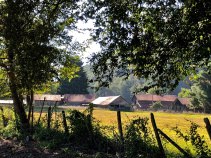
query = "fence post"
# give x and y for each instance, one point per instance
(90, 129)
(120, 126)
(208, 127)
(41, 111)
(65, 123)
(157, 136)
(120, 131)
(49, 117)
(32, 113)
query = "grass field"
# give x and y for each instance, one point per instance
(165, 122)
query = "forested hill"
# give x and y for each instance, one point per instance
(126, 88)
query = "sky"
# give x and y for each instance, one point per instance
(82, 37)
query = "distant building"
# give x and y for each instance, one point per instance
(180, 104)
(144, 101)
(185, 101)
(6, 102)
(9, 102)
(78, 99)
(112, 102)
(50, 99)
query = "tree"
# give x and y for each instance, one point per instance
(77, 85)
(201, 91)
(156, 105)
(164, 40)
(185, 93)
(31, 35)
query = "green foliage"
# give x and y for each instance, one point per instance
(4, 86)
(11, 129)
(49, 138)
(139, 141)
(185, 93)
(201, 90)
(156, 105)
(164, 41)
(77, 85)
(126, 88)
(196, 140)
(33, 35)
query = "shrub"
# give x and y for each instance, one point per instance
(84, 129)
(196, 140)
(157, 105)
(139, 141)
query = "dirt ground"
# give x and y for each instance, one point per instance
(22, 149)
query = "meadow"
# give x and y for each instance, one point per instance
(165, 121)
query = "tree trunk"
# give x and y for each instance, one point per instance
(18, 103)
(30, 104)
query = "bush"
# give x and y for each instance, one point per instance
(49, 138)
(157, 105)
(196, 140)
(139, 141)
(12, 124)
(84, 129)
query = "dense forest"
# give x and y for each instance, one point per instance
(126, 88)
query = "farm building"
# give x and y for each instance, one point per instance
(185, 101)
(50, 99)
(144, 101)
(112, 102)
(9, 102)
(78, 99)
(180, 104)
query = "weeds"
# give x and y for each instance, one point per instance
(139, 140)
(196, 140)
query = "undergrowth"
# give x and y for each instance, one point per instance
(197, 141)
(87, 132)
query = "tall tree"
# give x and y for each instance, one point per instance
(201, 90)
(77, 85)
(164, 40)
(31, 35)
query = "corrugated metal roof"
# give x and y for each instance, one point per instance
(78, 97)
(105, 100)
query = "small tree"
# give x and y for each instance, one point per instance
(157, 105)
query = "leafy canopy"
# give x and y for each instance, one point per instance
(164, 40)
(34, 41)
(201, 90)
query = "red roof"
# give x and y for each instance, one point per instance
(150, 97)
(49, 97)
(78, 97)
(185, 101)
